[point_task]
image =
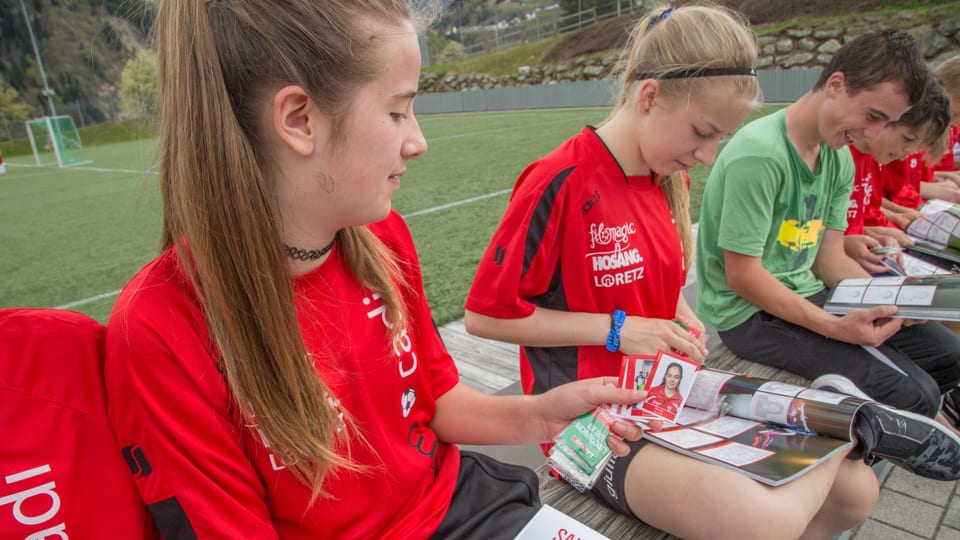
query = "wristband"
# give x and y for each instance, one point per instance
(613, 338)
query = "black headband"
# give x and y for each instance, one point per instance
(697, 72)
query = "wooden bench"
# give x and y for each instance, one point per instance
(613, 524)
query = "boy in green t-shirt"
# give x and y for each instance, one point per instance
(771, 229)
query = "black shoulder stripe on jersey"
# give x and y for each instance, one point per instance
(171, 520)
(541, 217)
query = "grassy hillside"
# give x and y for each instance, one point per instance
(766, 16)
(84, 45)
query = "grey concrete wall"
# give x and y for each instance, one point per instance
(779, 86)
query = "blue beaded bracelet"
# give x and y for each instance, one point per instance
(613, 338)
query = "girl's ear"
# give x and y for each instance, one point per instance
(295, 119)
(647, 94)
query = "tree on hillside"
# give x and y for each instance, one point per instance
(435, 45)
(12, 106)
(139, 86)
(453, 52)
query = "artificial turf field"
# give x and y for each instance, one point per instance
(72, 237)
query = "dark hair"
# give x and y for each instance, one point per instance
(932, 112)
(880, 56)
(674, 365)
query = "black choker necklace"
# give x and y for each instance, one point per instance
(304, 255)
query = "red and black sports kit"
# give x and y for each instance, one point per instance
(580, 236)
(208, 471)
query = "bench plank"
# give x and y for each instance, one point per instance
(723, 359)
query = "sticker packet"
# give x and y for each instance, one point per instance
(580, 451)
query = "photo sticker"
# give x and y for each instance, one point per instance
(668, 385)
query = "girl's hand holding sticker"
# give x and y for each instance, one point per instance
(641, 335)
(695, 329)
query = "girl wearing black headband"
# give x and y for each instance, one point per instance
(597, 268)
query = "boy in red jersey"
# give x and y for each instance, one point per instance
(871, 221)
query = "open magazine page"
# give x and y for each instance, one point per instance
(918, 265)
(937, 231)
(800, 408)
(933, 206)
(771, 431)
(935, 297)
(947, 258)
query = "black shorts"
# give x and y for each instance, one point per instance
(492, 500)
(909, 371)
(609, 487)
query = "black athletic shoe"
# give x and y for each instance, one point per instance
(916, 443)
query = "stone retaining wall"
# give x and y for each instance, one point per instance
(790, 46)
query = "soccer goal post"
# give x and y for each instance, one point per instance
(55, 140)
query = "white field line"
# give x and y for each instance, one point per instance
(90, 300)
(456, 203)
(40, 172)
(56, 170)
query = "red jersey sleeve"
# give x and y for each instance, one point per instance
(171, 410)
(902, 180)
(515, 266)
(866, 169)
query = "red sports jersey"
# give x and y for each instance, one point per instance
(579, 236)
(664, 405)
(947, 162)
(61, 472)
(902, 180)
(865, 197)
(207, 471)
